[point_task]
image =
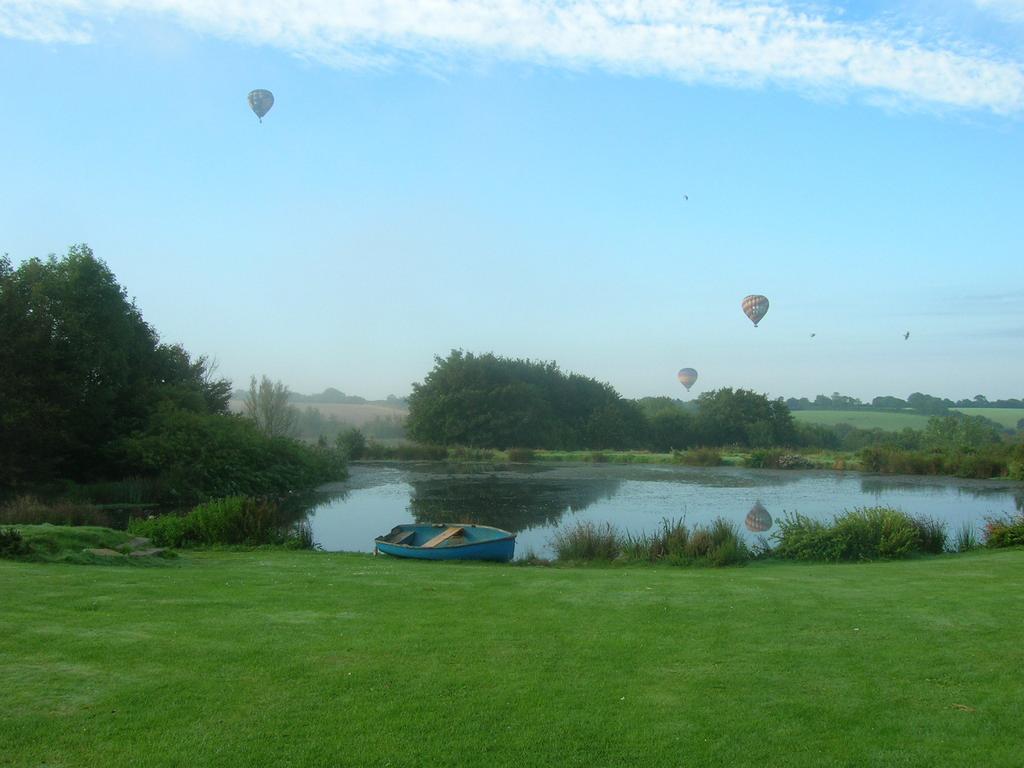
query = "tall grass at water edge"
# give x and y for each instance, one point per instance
(720, 543)
(235, 520)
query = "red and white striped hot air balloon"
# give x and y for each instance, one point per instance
(755, 307)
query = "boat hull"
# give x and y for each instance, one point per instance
(479, 543)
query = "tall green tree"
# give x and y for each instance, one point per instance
(80, 368)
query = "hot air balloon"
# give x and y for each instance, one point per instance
(687, 377)
(758, 520)
(755, 307)
(260, 101)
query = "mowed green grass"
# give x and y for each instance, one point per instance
(1008, 417)
(312, 659)
(864, 419)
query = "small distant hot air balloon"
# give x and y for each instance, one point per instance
(758, 520)
(260, 101)
(755, 307)
(687, 377)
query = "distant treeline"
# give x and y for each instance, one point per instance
(917, 402)
(333, 396)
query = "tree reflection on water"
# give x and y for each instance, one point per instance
(514, 503)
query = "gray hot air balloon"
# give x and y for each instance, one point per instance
(260, 101)
(755, 306)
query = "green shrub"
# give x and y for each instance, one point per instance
(859, 534)
(29, 510)
(698, 457)
(199, 456)
(965, 539)
(12, 544)
(774, 458)
(599, 457)
(233, 520)
(520, 455)
(931, 534)
(1004, 532)
(587, 541)
(351, 444)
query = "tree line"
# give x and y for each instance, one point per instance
(489, 401)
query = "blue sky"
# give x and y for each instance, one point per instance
(510, 177)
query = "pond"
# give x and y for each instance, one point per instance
(534, 500)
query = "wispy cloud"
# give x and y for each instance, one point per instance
(1011, 10)
(699, 41)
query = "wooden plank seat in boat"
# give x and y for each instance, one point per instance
(442, 537)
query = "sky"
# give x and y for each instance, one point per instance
(598, 183)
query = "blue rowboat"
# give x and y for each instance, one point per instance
(448, 541)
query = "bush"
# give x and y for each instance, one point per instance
(28, 510)
(520, 455)
(773, 458)
(587, 541)
(931, 534)
(200, 456)
(860, 534)
(1004, 532)
(233, 520)
(12, 544)
(351, 444)
(698, 457)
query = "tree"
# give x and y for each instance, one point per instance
(80, 369)
(743, 417)
(496, 402)
(267, 405)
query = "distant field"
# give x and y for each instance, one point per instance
(1008, 417)
(351, 413)
(864, 419)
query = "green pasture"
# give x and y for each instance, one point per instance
(311, 659)
(864, 419)
(1008, 417)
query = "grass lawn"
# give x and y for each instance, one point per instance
(311, 659)
(864, 419)
(1008, 417)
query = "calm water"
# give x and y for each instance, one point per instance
(534, 500)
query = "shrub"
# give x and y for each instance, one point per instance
(201, 456)
(351, 444)
(931, 534)
(405, 452)
(28, 510)
(1004, 532)
(233, 520)
(965, 539)
(587, 541)
(12, 544)
(520, 455)
(859, 534)
(698, 457)
(774, 458)
(669, 541)
(599, 457)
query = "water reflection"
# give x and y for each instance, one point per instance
(515, 503)
(534, 500)
(758, 520)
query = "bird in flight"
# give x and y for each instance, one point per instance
(813, 335)
(686, 197)
(906, 335)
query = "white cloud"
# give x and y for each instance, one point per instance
(1012, 10)
(716, 41)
